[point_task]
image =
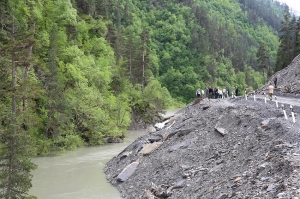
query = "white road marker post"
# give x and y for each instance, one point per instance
(276, 101)
(245, 94)
(254, 95)
(284, 112)
(265, 98)
(293, 116)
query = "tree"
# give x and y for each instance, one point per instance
(15, 142)
(284, 51)
(263, 59)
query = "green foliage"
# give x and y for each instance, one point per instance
(15, 165)
(289, 40)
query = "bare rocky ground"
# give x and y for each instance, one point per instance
(218, 148)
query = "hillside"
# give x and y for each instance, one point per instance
(218, 148)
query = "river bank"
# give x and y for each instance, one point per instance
(79, 173)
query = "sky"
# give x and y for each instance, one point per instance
(294, 4)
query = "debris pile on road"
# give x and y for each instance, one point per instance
(220, 148)
(288, 80)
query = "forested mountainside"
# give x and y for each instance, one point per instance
(78, 71)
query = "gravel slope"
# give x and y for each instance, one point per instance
(220, 148)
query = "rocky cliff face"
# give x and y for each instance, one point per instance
(220, 148)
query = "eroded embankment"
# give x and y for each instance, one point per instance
(213, 149)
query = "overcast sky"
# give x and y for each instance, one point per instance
(294, 4)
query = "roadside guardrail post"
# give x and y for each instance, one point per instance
(293, 116)
(284, 112)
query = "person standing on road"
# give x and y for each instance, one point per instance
(270, 90)
(236, 90)
(198, 92)
(224, 92)
(275, 81)
(228, 92)
(211, 91)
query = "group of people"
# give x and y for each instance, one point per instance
(214, 93)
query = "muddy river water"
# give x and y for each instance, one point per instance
(78, 174)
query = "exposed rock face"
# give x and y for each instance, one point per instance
(220, 148)
(288, 80)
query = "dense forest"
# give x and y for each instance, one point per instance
(78, 72)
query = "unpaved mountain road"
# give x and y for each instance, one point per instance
(283, 102)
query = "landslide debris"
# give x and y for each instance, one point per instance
(288, 80)
(218, 148)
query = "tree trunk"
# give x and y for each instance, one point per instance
(28, 66)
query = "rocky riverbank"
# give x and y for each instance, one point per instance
(219, 148)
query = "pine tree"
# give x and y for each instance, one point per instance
(283, 53)
(263, 58)
(15, 142)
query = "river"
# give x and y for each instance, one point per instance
(78, 174)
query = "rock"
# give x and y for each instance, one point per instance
(264, 124)
(148, 148)
(206, 107)
(151, 129)
(185, 167)
(125, 154)
(262, 166)
(247, 174)
(148, 195)
(178, 185)
(182, 145)
(222, 131)
(265, 179)
(198, 180)
(184, 132)
(222, 196)
(238, 179)
(271, 188)
(127, 172)
(185, 145)
(166, 135)
(155, 138)
(159, 126)
(281, 195)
